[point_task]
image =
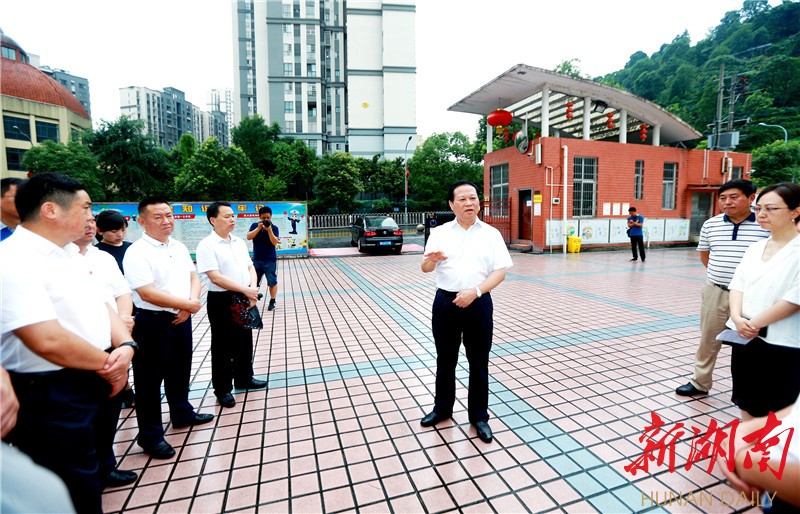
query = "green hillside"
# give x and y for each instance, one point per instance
(760, 48)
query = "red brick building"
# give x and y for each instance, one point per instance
(606, 146)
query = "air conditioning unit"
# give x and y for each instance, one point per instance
(727, 140)
(556, 201)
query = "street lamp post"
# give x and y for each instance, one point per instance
(785, 133)
(26, 136)
(405, 174)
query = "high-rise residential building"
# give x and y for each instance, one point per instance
(221, 101)
(78, 86)
(339, 75)
(168, 115)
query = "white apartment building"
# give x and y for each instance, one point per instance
(337, 74)
(168, 115)
(221, 100)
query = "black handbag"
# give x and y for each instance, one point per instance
(243, 314)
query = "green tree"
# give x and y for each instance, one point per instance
(296, 164)
(776, 162)
(215, 172)
(441, 160)
(132, 165)
(256, 138)
(73, 159)
(336, 184)
(570, 67)
(184, 150)
(275, 188)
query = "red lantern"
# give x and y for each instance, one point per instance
(643, 131)
(569, 110)
(610, 120)
(505, 134)
(499, 118)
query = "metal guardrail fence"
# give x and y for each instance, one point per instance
(343, 221)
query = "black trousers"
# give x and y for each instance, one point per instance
(231, 345)
(637, 241)
(474, 324)
(55, 428)
(105, 430)
(165, 355)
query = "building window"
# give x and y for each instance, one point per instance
(288, 106)
(287, 68)
(670, 185)
(289, 126)
(312, 70)
(638, 180)
(498, 180)
(287, 50)
(287, 28)
(46, 131)
(17, 128)
(288, 87)
(312, 143)
(9, 53)
(584, 189)
(736, 172)
(14, 158)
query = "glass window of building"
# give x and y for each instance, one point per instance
(288, 106)
(670, 185)
(287, 68)
(584, 190)
(498, 180)
(14, 158)
(312, 70)
(46, 131)
(638, 180)
(17, 128)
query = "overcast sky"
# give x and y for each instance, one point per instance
(460, 44)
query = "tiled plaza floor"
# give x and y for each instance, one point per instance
(586, 346)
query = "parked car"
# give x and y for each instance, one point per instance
(376, 232)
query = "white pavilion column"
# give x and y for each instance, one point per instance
(546, 112)
(489, 135)
(587, 117)
(657, 135)
(623, 126)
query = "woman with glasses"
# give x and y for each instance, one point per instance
(765, 307)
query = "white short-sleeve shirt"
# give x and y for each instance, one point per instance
(42, 282)
(763, 283)
(472, 254)
(105, 274)
(167, 267)
(230, 258)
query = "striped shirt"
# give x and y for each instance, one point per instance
(727, 242)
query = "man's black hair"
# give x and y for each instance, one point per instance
(45, 187)
(6, 183)
(110, 220)
(745, 186)
(213, 209)
(632, 209)
(151, 200)
(451, 192)
(264, 210)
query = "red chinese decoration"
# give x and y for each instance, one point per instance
(643, 131)
(499, 118)
(610, 120)
(505, 134)
(569, 110)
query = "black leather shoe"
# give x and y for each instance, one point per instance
(253, 384)
(484, 431)
(161, 450)
(690, 390)
(199, 419)
(120, 477)
(227, 400)
(432, 419)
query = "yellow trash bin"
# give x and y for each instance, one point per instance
(573, 244)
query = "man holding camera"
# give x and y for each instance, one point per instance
(264, 235)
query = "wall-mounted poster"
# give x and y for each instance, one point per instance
(191, 223)
(619, 230)
(593, 231)
(555, 232)
(676, 230)
(653, 230)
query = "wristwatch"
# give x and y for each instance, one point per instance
(478, 291)
(132, 344)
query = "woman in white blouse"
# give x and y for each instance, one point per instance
(765, 306)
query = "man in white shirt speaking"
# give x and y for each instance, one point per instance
(470, 259)
(224, 263)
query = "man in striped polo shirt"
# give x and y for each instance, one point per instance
(723, 241)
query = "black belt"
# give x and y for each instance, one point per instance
(165, 314)
(449, 294)
(724, 288)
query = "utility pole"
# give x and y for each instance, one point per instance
(720, 94)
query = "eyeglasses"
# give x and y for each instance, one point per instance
(767, 210)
